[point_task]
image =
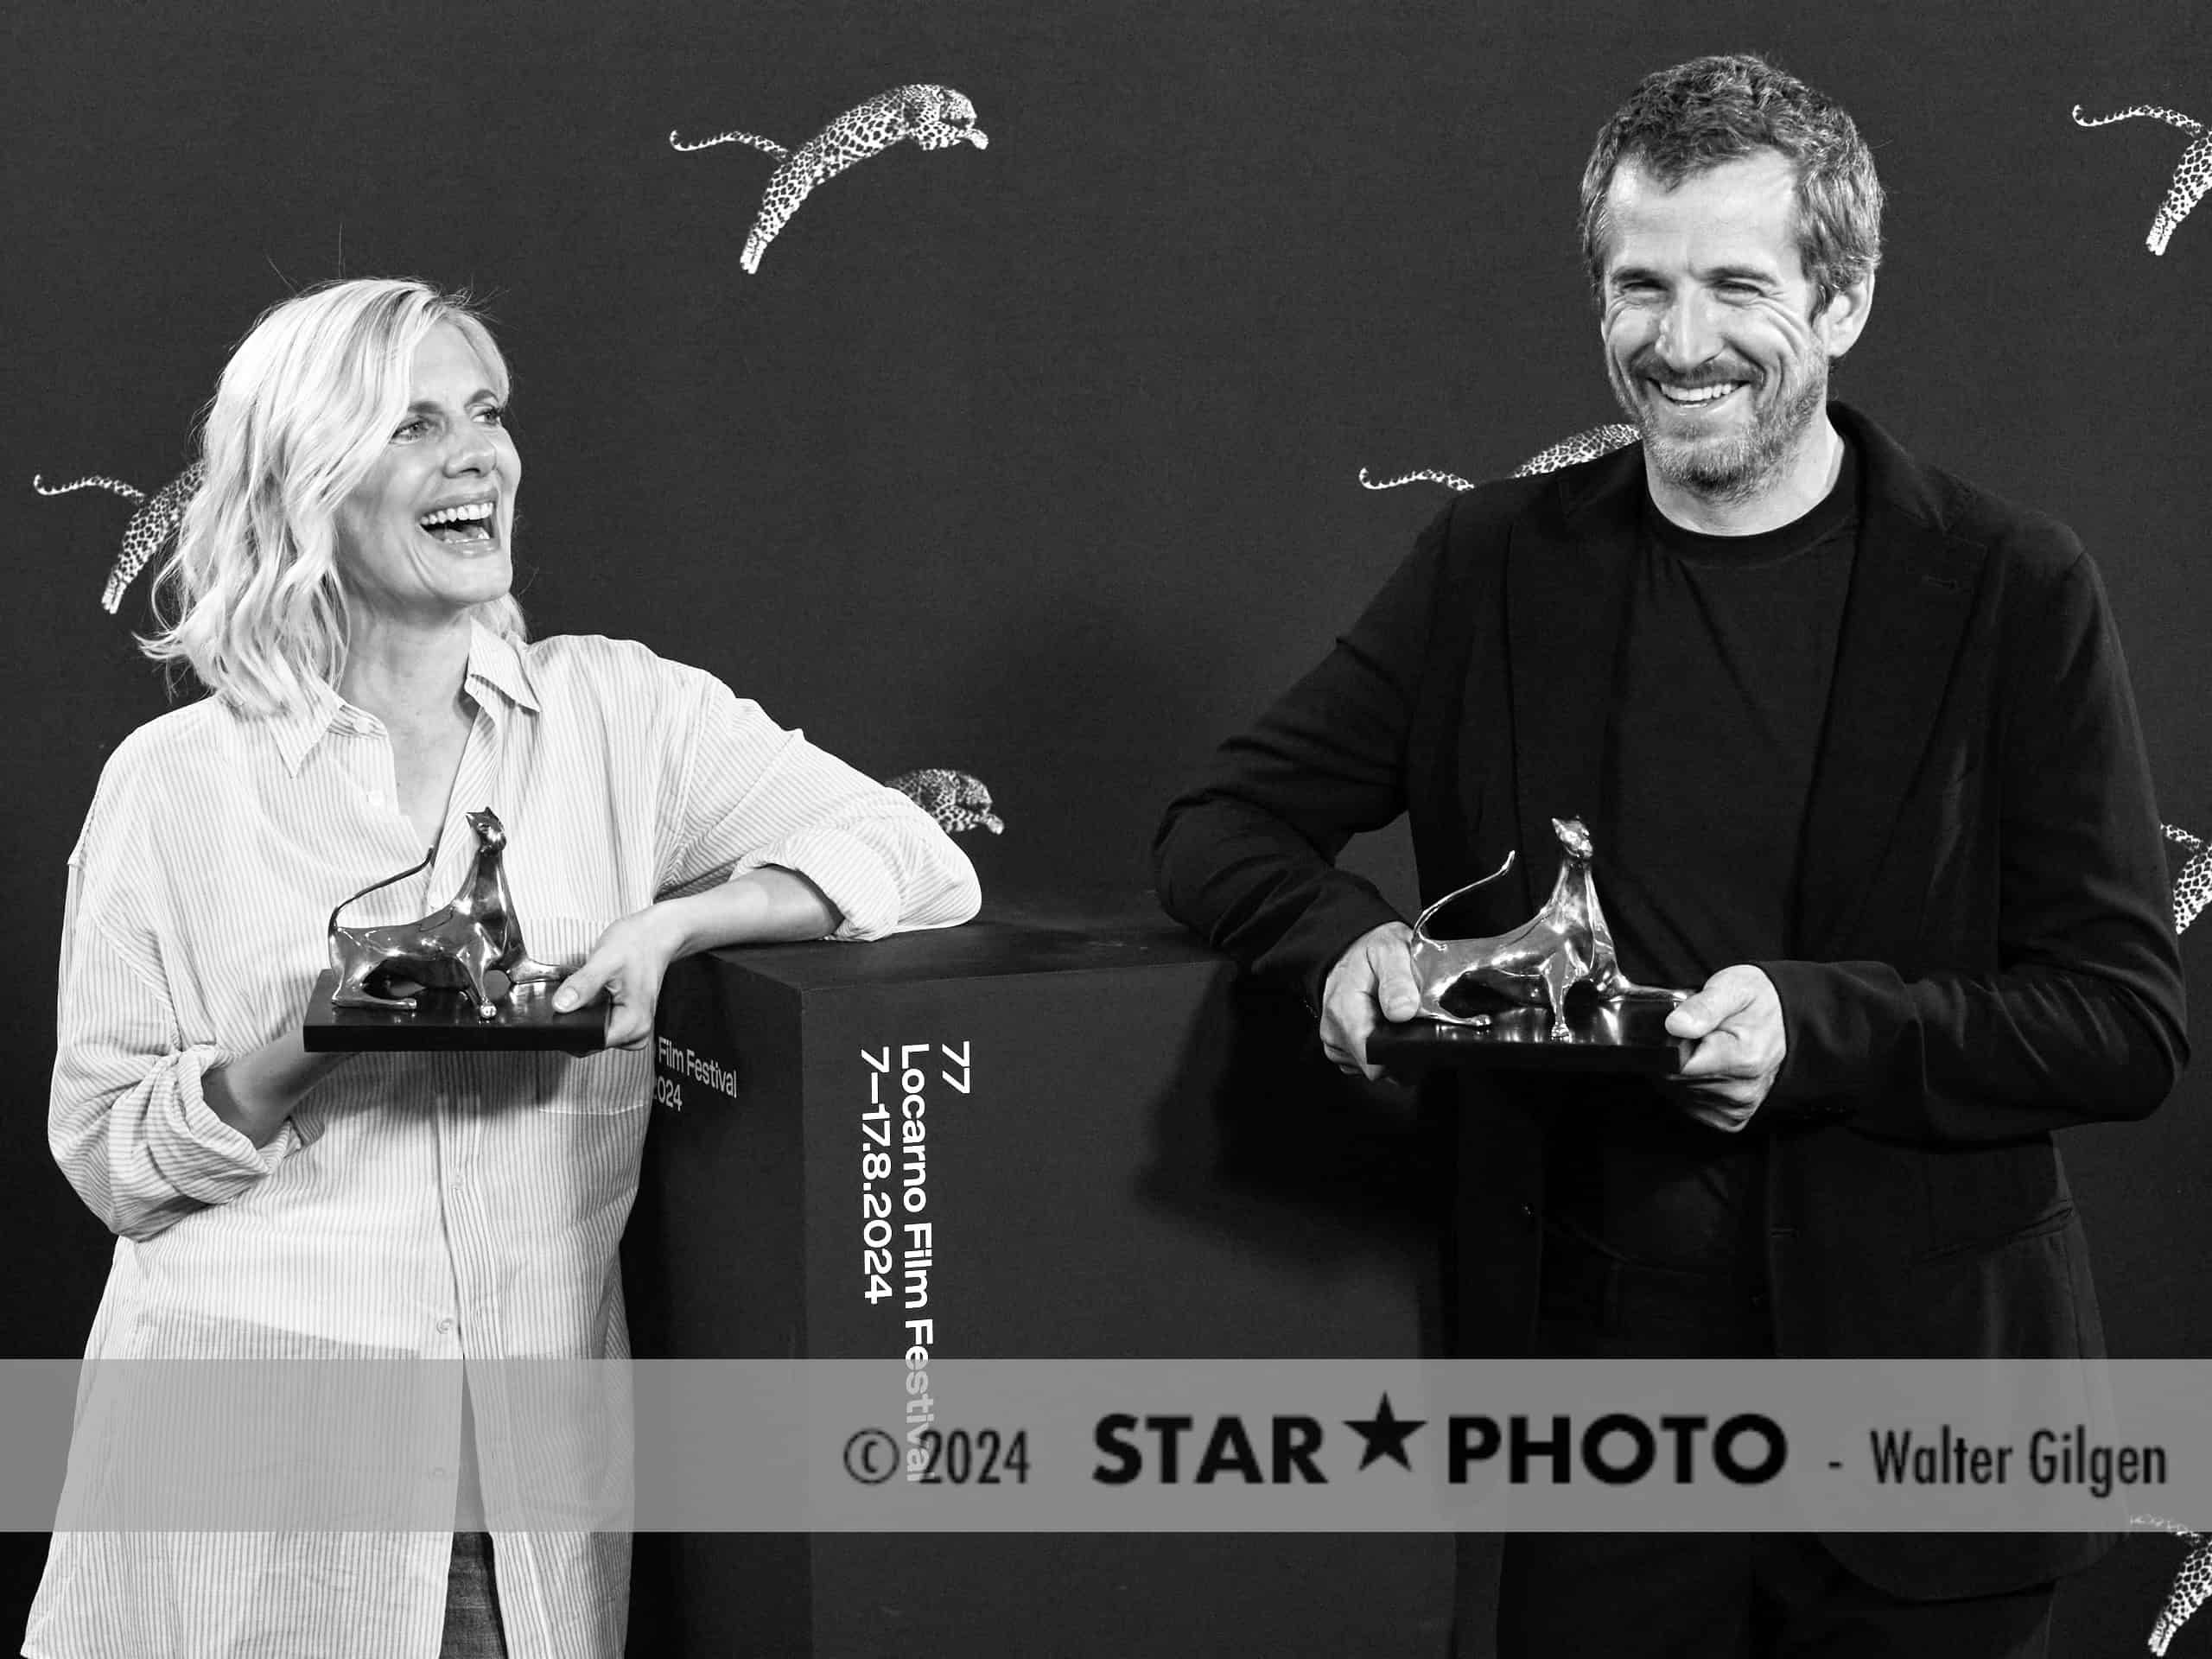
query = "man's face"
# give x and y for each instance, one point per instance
(1712, 343)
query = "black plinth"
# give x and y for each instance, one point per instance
(1123, 1160)
(447, 1021)
(1626, 1037)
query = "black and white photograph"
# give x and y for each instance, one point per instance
(846, 830)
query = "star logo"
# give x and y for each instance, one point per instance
(1385, 1433)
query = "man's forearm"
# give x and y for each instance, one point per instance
(1964, 1057)
(1255, 890)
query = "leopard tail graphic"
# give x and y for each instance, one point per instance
(150, 528)
(935, 117)
(1583, 446)
(96, 482)
(1428, 475)
(2191, 177)
(731, 138)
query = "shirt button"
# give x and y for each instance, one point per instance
(444, 1325)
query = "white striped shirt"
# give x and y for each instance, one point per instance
(429, 1204)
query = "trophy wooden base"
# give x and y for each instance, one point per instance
(447, 1021)
(1627, 1036)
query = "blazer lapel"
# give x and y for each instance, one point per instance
(1912, 593)
(1566, 590)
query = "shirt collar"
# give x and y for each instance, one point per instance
(298, 730)
(493, 662)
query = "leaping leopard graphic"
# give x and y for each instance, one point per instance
(935, 117)
(1583, 446)
(150, 529)
(2191, 178)
(2192, 1584)
(957, 800)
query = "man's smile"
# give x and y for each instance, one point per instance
(1705, 397)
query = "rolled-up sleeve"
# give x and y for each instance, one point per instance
(753, 794)
(127, 1120)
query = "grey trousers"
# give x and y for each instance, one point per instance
(473, 1629)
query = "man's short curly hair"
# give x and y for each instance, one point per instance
(1697, 115)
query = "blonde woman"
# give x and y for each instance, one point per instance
(341, 588)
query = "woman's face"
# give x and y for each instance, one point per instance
(424, 536)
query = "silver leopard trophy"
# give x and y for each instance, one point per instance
(474, 944)
(1564, 945)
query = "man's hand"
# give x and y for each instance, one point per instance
(1737, 1019)
(1373, 978)
(628, 965)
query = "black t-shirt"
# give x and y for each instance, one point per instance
(1721, 691)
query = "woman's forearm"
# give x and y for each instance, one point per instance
(759, 907)
(627, 963)
(255, 1093)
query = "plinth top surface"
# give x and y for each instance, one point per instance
(1088, 933)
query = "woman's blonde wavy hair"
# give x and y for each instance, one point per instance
(251, 597)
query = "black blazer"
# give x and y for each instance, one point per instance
(1982, 946)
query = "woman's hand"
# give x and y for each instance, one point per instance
(627, 965)
(256, 1092)
(633, 955)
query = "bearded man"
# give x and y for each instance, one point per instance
(1859, 756)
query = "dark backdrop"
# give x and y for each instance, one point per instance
(1042, 461)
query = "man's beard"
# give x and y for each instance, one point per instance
(1737, 467)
